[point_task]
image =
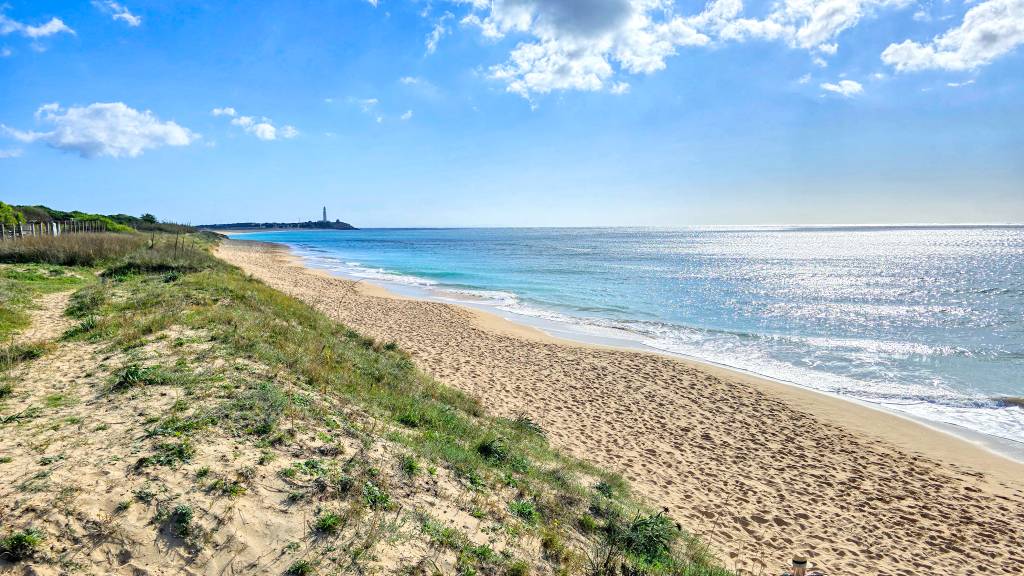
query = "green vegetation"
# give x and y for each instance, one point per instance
(309, 377)
(9, 216)
(110, 223)
(20, 545)
(328, 523)
(301, 568)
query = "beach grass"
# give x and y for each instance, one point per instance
(587, 519)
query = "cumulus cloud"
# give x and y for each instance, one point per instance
(11, 26)
(988, 31)
(10, 153)
(581, 44)
(118, 12)
(845, 88)
(407, 115)
(262, 128)
(104, 129)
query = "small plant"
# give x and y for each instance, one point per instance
(6, 389)
(6, 459)
(517, 568)
(494, 449)
(649, 537)
(301, 568)
(20, 545)
(203, 472)
(180, 521)
(525, 424)
(525, 510)
(144, 494)
(123, 506)
(169, 454)
(410, 466)
(132, 375)
(587, 523)
(376, 498)
(605, 489)
(327, 523)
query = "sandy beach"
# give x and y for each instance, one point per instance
(761, 470)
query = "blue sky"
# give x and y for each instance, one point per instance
(517, 112)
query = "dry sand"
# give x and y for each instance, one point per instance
(760, 469)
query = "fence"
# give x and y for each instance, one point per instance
(52, 228)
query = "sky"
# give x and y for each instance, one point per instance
(517, 112)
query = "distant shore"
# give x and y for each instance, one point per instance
(762, 469)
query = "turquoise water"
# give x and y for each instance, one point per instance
(925, 320)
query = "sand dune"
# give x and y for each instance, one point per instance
(761, 470)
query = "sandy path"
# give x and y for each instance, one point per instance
(761, 470)
(47, 319)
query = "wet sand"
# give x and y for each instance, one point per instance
(760, 469)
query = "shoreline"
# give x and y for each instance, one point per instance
(755, 430)
(527, 327)
(568, 334)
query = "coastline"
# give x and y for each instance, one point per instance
(794, 429)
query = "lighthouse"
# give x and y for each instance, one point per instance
(325, 214)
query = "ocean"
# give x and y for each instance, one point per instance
(928, 321)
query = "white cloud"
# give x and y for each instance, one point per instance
(5, 52)
(407, 115)
(10, 26)
(960, 84)
(806, 24)
(805, 79)
(118, 12)
(620, 88)
(373, 3)
(576, 45)
(845, 88)
(367, 104)
(439, 31)
(988, 31)
(104, 129)
(262, 128)
(409, 80)
(10, 153)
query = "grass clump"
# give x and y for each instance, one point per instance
(133, 375)
(21, 544)
(410, 466)
(169, 454)
(301, 568)
(328, 523)
(524, 510)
